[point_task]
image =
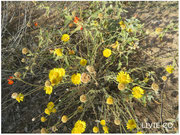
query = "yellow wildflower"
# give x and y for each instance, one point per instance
(47, 111)
(48, 89)
(64, 119)
(65, 37)
(58, 52)
(54, 110)
(76, 78)
(131, 124)
(83, 62)
(50, 105)
(146, 80)
(123, 77)
(158, 30)
(139, 132)
(80, 126)
(106, 129)
(95, 129)
(43, 119)
(137, 92)
(103, 122)
(169, 69)
(20, 97)
(107, 53)
(109, 100)
(55, 75)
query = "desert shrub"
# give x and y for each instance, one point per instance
(93, 64)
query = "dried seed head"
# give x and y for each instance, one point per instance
(33, 119)
(85, 78)
(47, 83)
(155, 86)
(14, 95)
(64, 119)
(117, 122)
(83, 98)
(51, 51)
(164, 78)
(90, 69)
(44, 130)
(17, 74)
(54, 128)
(25, 51)
(23, 60)
(121, 86)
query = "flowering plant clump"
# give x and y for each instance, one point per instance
(90, 70)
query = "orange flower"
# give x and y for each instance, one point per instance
(10, 77)
(10, 82)
(36, 24)
(81, 28)
(76, 19)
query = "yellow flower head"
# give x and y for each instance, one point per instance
(121, 22)
(106, 129)
(158, 30)
(80, 126)
(103, 122)
(76, 131)
(50, 105)
(137, 92)
(43, 119)
(64, 119)
(48, 89)
(95, 129)
(139, 132)
(55, 75)
(20, 97)
(109, 100)
(54, 110)
(58, 52)
(80, 109)
(83, 62)
(47, 111)
(123, 77)
(76, 78)
(131, 124)
(65, 37)
(146, 80)
(107, 53)
(169, 69)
